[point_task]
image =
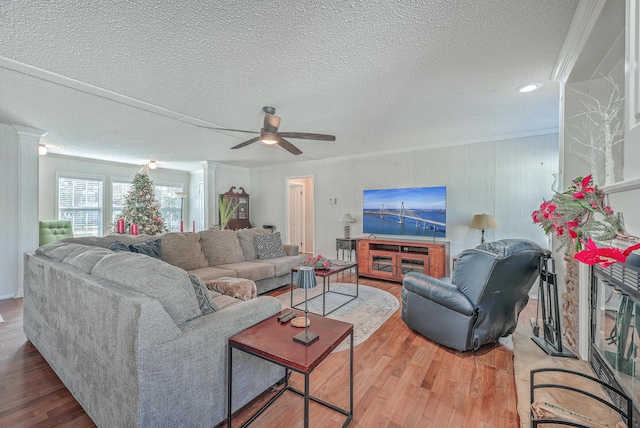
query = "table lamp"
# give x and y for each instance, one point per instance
(483, 221)
(306, 279)
(346, 218)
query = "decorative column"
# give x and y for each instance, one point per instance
(210, 197)
(28, 229)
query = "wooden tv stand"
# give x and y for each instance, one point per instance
(391, 260)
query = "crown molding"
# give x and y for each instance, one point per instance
(584, 19)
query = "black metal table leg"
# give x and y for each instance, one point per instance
(229, 389)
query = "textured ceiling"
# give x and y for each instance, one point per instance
(129, 81)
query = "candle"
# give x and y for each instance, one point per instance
(134, 229)
(120, 225)
(181, 226)
(194, 226)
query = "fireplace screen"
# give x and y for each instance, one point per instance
(616, 328)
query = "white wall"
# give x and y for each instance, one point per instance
(507, 178)
(52, 164)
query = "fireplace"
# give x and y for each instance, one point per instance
(615, 328)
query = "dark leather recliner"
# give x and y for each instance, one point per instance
(480, 302)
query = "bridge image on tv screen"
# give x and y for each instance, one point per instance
(416, 211)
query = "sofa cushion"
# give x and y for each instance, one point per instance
(183, 250)
(58, 250)
(269, 246)
(221, 246)
(202, 294)
(250, 270)
(248, 242)
(283, 265)
(209, 273)
(168, 284)
(223, 301)
(85, 257)
(107, 240)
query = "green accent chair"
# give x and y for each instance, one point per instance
(54, 230)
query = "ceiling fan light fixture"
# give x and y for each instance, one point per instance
(269, 139)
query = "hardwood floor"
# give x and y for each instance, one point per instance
(401, 380)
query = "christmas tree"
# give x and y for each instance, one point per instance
(141, 207)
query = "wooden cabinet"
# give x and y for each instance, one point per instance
(240, 219)
(391, 260)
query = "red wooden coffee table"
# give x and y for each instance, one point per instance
(273, 341)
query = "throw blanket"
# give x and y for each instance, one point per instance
(240, 288)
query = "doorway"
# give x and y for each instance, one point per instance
(300, 213)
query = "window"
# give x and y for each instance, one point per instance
(119, 191)
(169, 204)
(80, 201)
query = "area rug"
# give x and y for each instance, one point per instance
(367, 312)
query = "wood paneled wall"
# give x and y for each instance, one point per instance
(508, 178)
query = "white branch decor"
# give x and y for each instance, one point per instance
(600, 129)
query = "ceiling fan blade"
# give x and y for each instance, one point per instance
(288, 146)
(227, 129)
(246, 143)
(308, 136)
(271, 123)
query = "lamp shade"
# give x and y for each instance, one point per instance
(483, 221)
(346, 217)
(306, 277)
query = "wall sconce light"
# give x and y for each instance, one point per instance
(42, 149)
(346, 218)
(483, 221)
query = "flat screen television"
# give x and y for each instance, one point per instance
(415, 211)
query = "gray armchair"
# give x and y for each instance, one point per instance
(480, 302)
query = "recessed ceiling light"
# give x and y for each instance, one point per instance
(530, 87)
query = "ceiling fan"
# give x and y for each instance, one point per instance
(269, 133)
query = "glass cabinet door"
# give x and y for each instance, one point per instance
(413, 264)
(383, 263)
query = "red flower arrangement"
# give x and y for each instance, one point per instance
(318, 262)
(579, 214)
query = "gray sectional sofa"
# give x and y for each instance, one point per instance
(139, 341)
(212, 254)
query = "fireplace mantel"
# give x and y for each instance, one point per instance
(622, 186)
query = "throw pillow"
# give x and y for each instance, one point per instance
(151, 248)
(119, 246)
(269, 246)
(202, 294)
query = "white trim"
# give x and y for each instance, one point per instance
(622, 186)
(496, 138)
(584, 20)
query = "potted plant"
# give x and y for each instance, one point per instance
(227, 210)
